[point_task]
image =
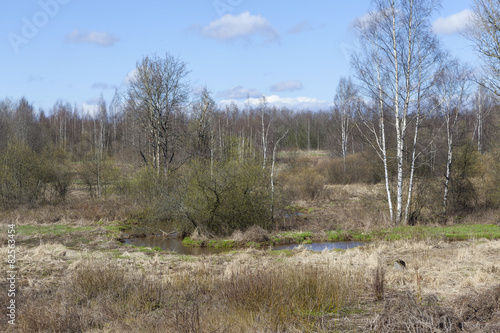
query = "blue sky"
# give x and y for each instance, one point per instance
(294, 52)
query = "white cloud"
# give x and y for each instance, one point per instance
(287, 86)
(295, 103)
(300, 27)
(231, 27)
(90, 108)
(93, 37)
(130, 77)
(239, 92)
(452, 24)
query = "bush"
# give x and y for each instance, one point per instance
(235, 196)
(302, 181)
(466, 165)
(492, 178)
(21, 174)
(143, 185)
(358, 170)
(57, 173)
(427, 201)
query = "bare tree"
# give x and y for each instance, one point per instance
(272, 173)
(265, 129)
(483, 107)
(203, 114)
(452, 88)
(484, 32)
(115, 109)
(157, 94)
(345, 103)
(397, 44)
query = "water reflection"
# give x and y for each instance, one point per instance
(318, 247)
(172, 244)
(175, 245)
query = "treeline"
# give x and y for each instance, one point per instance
(65, 134)
(216, 169)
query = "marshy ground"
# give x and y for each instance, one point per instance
(74, 276)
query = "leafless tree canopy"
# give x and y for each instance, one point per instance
(157, 94)
(395, 68)
(484, 32)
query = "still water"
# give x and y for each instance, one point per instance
(175, 245)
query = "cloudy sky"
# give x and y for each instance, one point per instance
(293, 52)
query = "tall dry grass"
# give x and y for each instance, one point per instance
(99, 295)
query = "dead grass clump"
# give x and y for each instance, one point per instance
(94, 296)
(404, 312)
(304, 294)
(480, 310)
(198, 235)
(91, 281)
(253, 234)
(39, 316)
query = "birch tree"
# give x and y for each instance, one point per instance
(345, 99)
(264, 129)
(483, 107)
(159, 92)
(397, 41)
(272, 173)
(451, 88)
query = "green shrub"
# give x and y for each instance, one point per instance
(58, 173)
(21, 174)
(235, 196)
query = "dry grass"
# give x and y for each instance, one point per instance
(71, 291)
(64, 290)
(404, 312)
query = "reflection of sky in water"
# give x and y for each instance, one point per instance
(321, 246)
(175, 245)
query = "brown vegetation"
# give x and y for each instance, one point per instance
(69, 290)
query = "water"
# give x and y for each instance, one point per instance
(318, 247)
(175, 245)
(172, 244)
